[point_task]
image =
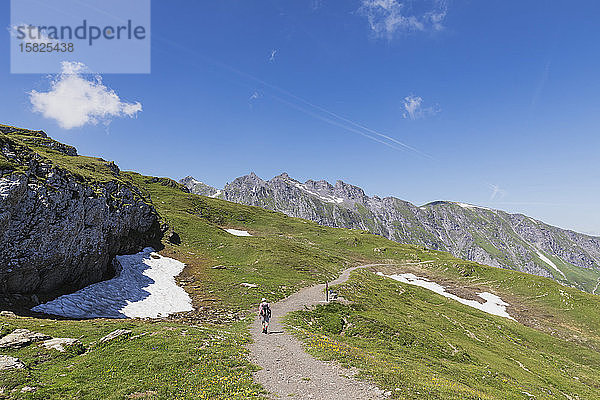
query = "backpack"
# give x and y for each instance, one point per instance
(265, 310)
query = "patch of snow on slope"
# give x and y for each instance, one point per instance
(493, 304)
(325, 197)
(596, 288)
(216, 194)
(470, 206)
(144, 288)
(550, 263)
(237, 232)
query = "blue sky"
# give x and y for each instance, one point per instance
(499, 100)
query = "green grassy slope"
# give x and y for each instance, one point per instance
(420, 345)
(161, 360)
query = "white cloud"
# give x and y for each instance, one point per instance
(74, 100)
(390, 17)
(413, 108)
(497, 193)
(255, 96)
(272, 57)
(412, 105)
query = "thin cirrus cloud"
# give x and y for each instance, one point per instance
(388, 18)
(497, 193)
(272, 56)
(74, 100)
(413, 108)
(255, 96)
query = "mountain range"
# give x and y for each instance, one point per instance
(488, 236)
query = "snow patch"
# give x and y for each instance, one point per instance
(550, 263)
(217, 194)
(237, 232)
(470, 206)
(325, 197)
(144, 288)
(196, 181)
(493, 304)
(596, 288)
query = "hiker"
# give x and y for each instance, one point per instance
(264, 311)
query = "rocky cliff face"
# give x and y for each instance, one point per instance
(63, 217)
(491, 237)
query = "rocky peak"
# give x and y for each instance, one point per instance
(252, 177)
(350, 192)
(319, 185)
(195, 186)
(283, 176)
(189, 180)
(283, 179)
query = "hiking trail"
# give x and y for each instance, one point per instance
(287, 370)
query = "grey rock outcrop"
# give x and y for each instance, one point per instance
(21, 338)
(62, 344)
(8, 362)
(60, 230)
(114, 335)
(487, 236)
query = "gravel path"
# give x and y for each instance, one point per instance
(287, 370)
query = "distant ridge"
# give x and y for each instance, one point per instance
(491, 237)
